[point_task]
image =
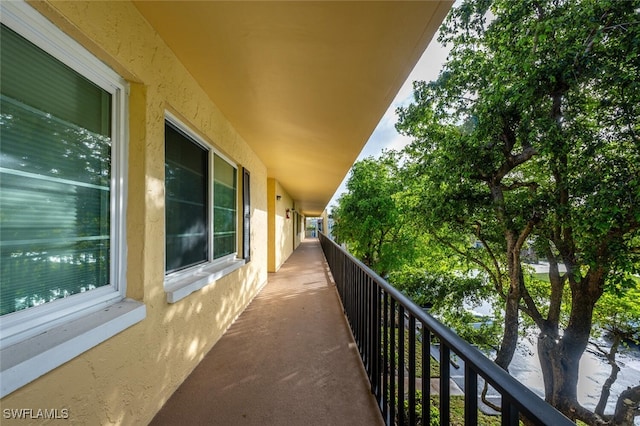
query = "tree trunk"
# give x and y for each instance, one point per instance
(562, 355)
(548, 340)
(511, 322)
(613, 376)
(627, 408)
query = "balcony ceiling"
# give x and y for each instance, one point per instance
(304, 83)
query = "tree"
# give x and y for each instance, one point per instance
(530, 135)
(617, 314)
(368, 218)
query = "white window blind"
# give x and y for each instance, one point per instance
(55, 174)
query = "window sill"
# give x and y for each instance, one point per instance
(23, 362)
(184, 283)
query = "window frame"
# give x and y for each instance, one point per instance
(178, 284)
(191, 137)
(25, 323)
(246, 215)
(36, 340)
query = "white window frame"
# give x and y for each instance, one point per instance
(38, 339)
(180, 284)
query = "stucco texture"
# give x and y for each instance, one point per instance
(126, 379)
(281, 233)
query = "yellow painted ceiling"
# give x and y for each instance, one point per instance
(304, 82)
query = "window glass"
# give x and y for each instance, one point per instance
(246, 219)
(186, 177)
(224, 205)
(55, 173)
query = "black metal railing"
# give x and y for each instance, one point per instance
(397, 341)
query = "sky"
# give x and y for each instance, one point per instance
(385, 135)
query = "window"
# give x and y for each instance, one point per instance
(246, 212)
(62, 170)
(186, 187)
(201, 214)
(55, 171)
(224, 208)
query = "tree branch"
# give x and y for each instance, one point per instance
(530, 308)
(628, 407)
(494, 260)
(557, 287)
(587, 416)
(513, 161)
(531, 185)
(613, 375)
(496, 276)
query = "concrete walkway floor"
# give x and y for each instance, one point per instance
(289, 359)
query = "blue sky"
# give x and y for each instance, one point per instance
(385, 135)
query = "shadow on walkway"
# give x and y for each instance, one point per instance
(289, 359)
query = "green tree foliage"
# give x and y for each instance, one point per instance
(617, 315)
(531, 135)
(373, 220)
(369, 217)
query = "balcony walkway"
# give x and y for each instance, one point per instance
(289, 359)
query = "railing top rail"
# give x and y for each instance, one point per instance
(528, 403)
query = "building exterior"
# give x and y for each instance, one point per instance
(155, 169)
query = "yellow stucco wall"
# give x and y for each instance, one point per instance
(281, 229)
(325, 222)
(126, 379)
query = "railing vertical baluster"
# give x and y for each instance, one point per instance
(337, 277)
(352, 282)
(426, 376)
(351, 289)
(412, 370)
(367, 323)
(345, 289)
(367, 317)
(445, 353)
(392, 358)
(352, 297)
(343, 273)
(401, 365)
(361, 309)
(374, 337)
(360, 304)
(361, 315)
(385, 354)
(347, 300)
(363, 318)
(470, 396)
(370, 325)
(509, 413)
(354, 302)
(356, 314)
